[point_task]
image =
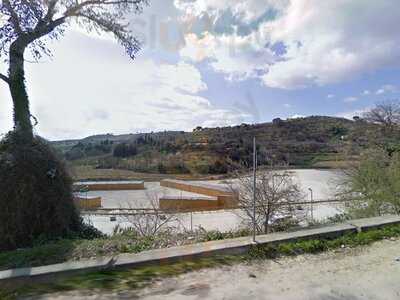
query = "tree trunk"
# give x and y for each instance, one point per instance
(266, 224)
(22, 115)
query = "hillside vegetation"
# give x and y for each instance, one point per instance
(315, 141)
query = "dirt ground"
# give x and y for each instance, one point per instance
(371, 272)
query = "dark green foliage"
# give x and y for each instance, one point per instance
(124, 150)
(373, 185)
(82, 150)
(36, 195)
(392, 147)
(339, 130)
(87, 232)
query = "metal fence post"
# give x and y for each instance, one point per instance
(311, 204)
(254, 188)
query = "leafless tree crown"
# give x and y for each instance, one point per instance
(276, 197)
(386, 113)
(28, 23)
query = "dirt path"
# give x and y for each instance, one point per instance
(352, 274)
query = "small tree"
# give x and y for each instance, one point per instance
(372, 186)
(276, 197)
(150, 223)
(29, 24)
(386, 113)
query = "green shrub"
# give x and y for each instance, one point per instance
(36, 194)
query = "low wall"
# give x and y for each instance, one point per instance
(49, 273)
(110, 186)
(188, 204)
(87, 203)
(225, 197)
(227, 201)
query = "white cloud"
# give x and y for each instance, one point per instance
(247, 11)
(350, 99)
(287, 105)
(387, 88)
(350, 114)
(325, 41)
(366, 92)
(334, 43)
(296, 116)
(238, 57)
(84, 92)
(330, 96)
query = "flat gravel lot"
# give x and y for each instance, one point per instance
(353, 274)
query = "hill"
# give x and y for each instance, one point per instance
(315, 141)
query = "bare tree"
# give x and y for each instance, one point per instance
(148, 223)
(386, 113)
(29, 24)
(276, 197)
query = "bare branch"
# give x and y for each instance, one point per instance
(5, 78)
(50, 10)
(386, 113)
(274, 191)
(13, 16)
(76, 9)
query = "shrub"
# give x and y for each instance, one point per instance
(88, 232)
(36, 194)
(124, 150)
(373, 185)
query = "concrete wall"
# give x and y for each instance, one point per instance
(187, 204)
(110, 186)
(197, 188)
(225, 198)
(87, 203)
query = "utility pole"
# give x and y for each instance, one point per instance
(311, 204)
(254, 188)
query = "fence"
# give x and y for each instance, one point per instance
(128, 211)
(224, 219)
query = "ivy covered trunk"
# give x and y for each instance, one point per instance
(22, 115)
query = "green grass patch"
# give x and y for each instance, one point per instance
(40, 255)
(319, 245)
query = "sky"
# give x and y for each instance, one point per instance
(217, 63)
